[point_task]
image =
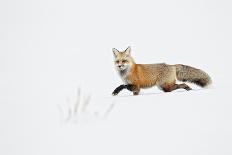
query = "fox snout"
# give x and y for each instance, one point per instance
(121, 66)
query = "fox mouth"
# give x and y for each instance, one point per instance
(121, 67)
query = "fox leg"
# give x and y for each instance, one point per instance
(169, 88)
(118, 89)
(135, 89)
(184, 86)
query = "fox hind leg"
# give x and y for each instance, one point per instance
(184, 86)
(169, 88)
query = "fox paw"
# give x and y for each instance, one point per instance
(135, 93)
(114, 93)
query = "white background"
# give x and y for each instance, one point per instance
(50, 48)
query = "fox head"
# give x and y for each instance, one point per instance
(123, 60)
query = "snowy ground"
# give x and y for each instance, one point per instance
(196, 122)
(57, 75)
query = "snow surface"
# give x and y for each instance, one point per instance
(57, 76)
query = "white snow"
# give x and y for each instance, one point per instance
(57, 76)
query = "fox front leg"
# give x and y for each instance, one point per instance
(135, 89)
(118, 89)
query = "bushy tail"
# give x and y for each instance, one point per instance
(191, 74)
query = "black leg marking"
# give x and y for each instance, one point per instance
(177, 86)
(118, 89)
(185, 86)
(134, 89)
(130, 87)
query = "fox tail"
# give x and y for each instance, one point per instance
(193, 75)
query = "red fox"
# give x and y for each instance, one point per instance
(137, 76)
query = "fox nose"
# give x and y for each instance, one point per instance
(119, 66)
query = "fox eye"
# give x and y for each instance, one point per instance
(117, 61)
(124, 61)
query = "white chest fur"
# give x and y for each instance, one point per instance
(123, 74)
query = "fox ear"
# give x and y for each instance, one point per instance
(115, 51)
(128, 50)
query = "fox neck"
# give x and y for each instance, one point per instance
(123, 73)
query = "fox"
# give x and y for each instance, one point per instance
(140, 76)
